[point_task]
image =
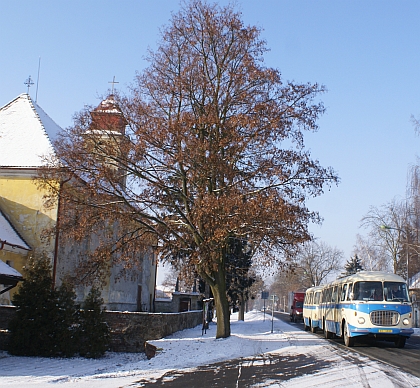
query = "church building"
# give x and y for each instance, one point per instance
(27, 136)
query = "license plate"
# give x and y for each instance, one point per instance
(385, 331)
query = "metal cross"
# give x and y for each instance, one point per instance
(113, 82)
(29, 83)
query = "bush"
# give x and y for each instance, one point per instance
(49, 323)
(94, 331)
(33, 327)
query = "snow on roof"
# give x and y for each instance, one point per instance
(9, 237)
(26, 133)
(8, 270)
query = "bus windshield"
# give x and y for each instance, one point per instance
(396, 291)
(368, 291)
(389, 291)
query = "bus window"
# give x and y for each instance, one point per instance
(339, 293)
(368, 291)
(327, 293)
(343, 292)
(350, 295)
(316, 298)
(395, 291)
(334, 295)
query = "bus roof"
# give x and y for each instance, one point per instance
(371, 276)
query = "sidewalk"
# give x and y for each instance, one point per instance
(285, 358)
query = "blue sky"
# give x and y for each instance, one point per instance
(365, 52)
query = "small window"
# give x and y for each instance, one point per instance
(316, 298)
(334, 295)
(349, 291)
(343, 292)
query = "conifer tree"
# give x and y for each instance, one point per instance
(94, 331)
(45, 323)
(66, 334)
(353, 266)
(32, 329)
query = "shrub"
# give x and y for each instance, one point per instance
(33, 325)
(94, 331)
(49, 323)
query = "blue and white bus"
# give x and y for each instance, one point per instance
(366, 304)
(312, 318)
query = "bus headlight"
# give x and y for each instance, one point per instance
(361, 320)
(406, 321)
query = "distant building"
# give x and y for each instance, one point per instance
(26, 137)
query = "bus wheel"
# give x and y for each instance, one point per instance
(348, 341)
(400, 342)
(313, 328)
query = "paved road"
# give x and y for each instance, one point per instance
(408, 358)
(243, 372)
(266, 369)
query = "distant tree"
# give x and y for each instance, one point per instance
(316, 261)
(213, 147)
(371, 255)
(387, 227)
(353, 266)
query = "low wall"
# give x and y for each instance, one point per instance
(129, 331)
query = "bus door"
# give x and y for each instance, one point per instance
(338, 313)
(335, 313)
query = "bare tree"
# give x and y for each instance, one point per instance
(371, 254)
(317, 261)
(213, 149)
(387, 228)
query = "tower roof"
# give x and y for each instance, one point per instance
(107, 116)
(26, 133)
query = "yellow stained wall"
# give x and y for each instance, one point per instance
(22, 203)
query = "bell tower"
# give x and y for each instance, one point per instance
(108, 134)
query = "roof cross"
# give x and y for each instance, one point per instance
(29, 83)
(113, 82)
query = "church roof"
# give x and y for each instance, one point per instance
(9, 237)
(26, 133)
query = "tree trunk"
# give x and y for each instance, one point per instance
(218, 289)
(241, 313)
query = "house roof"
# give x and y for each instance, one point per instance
(8, 275)
(9, 237)
(26, 133)
(8, 270)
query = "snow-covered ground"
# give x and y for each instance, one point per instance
(184, 351)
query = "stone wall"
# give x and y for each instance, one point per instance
(129, 331)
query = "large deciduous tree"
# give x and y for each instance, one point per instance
(213, 149)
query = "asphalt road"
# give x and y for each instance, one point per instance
(407, 358)
(253, 371)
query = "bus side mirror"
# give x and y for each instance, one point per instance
(351, 296)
